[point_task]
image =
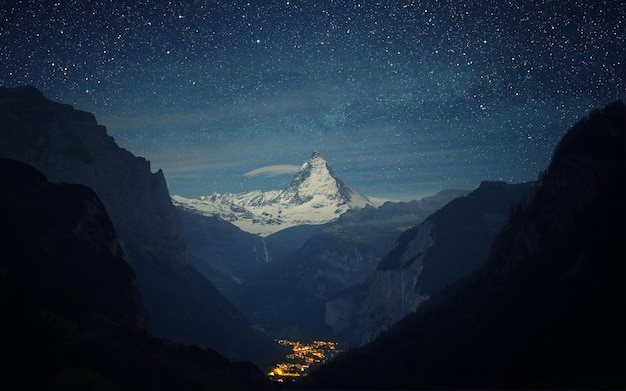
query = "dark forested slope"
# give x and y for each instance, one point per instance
(72, 317)
(547, 310)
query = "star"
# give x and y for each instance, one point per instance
(399, 96)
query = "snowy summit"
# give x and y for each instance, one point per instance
(314, 196)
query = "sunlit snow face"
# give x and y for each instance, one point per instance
(403, 98)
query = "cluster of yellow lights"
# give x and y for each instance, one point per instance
(302, 358)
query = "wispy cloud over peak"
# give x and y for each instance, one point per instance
(271, 171)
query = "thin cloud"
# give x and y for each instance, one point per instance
(198, 159)
(272, 171)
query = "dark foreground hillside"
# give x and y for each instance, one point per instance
(72, 317)
(69, 146)
(548, 308)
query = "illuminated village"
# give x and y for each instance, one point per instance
(304, 357)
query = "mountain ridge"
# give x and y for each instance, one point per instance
(314, 196)
(69, 146)
(450, 244)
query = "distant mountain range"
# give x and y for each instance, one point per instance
(314, 196)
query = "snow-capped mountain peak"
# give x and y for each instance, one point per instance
(314, 196)
(316, 178)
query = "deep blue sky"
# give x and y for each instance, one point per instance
(402, 98)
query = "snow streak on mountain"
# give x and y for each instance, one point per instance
(314, 196)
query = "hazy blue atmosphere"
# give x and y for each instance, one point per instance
(402, 98)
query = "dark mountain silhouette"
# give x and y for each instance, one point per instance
(230, 257)
(65, 229)
(223, 253)
(72, 317)
(67, 145)
(464, 230)
(547, 310)
(450, 244)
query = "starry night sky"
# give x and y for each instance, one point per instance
(402, 98)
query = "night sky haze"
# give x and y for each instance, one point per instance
(403, 99)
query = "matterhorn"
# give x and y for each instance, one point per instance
(314, 196)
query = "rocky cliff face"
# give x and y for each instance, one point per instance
(448, 245)
(360, 314)
(68, 145)
(62, 233)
